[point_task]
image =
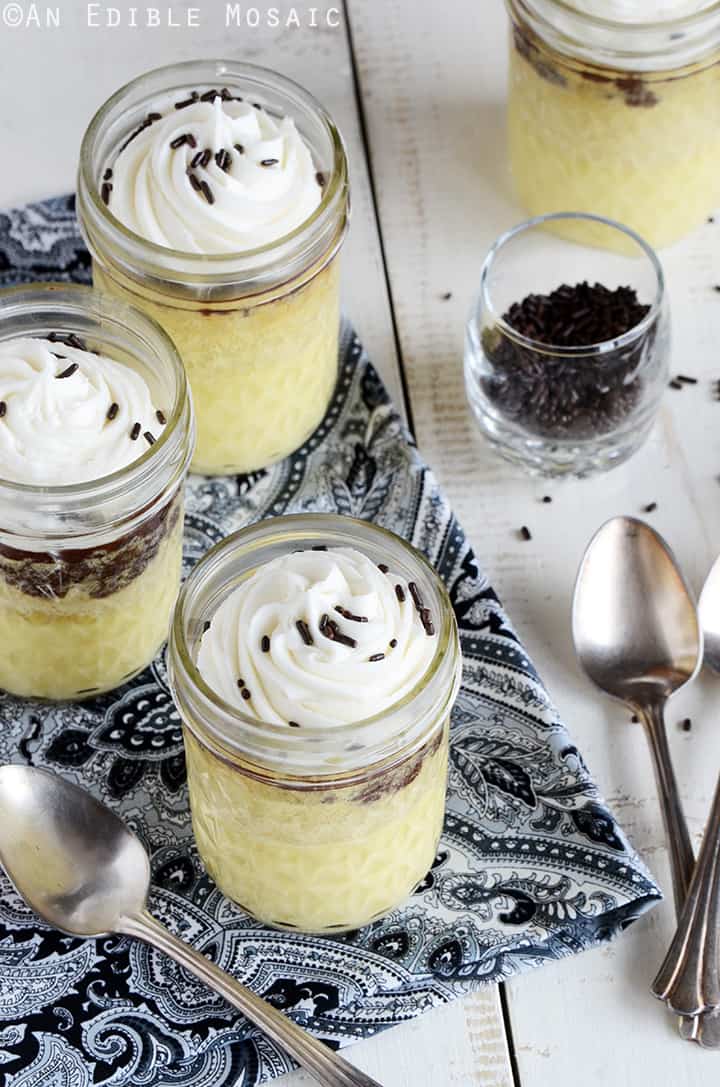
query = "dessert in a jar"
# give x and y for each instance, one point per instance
(214, 196)
(614, 108)
(96, 435)
(315, 660)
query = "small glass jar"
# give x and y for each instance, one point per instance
(561, 410)
(317, 829)
(618, 118)
(256, 330)
(89, 572)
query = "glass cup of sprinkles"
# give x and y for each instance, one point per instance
(315, 660)
(614, 108)
(567, 347)
(96, 436)
(231, 242)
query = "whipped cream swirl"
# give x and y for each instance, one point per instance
(68, 415)
(215, 176)
(318, 638)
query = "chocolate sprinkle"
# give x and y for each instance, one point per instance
(196, 160)
(246, 694)
(209, 96)
(135, 432)
(108, 174)
(186, 138)
(141, 128)
(415, 594)
(293, 724)
(525, 533)
(376, 657)
(205, 157)
(239, 148)
(223, 159)
(149, 438)
(687, 380)
(160, 416)
(383, 568)
(154, 117)
(426, 621)
(105, 191)
(207, 192)
(349, 615)
(400, 593)
(69, 371)
(447, 296)
(320, 178)
(393, 643)
(304, 632)
(187, 101)
(546, 498)
(686, 724)
(241, 683)
(194, 181)
(650, 508)
(318, 547)
(206, 626)
(674, 384)
(265, 644)
(269, 162)
(112, 411)
(3, 409)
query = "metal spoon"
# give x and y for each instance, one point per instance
(638, 637)
(77, 865)
(689, 979)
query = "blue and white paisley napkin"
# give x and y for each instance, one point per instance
(532, 865)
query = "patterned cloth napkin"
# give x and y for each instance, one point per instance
(532, 865)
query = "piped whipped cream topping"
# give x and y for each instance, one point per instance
(318, 638)
(68, 415)
(212, 174)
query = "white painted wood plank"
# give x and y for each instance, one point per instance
(79, 67)
(455, 1046)
(433, 80)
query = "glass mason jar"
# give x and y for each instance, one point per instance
(618, 118)
(89, 572)
(256, 330)
(561, 410)
(321, 829)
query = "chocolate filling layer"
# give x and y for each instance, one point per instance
(98, 571)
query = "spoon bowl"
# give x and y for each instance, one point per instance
(78, 866)
(82, 870)
(709, 609)
(635, 625)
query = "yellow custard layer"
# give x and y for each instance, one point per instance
(577, 145)
(317, 859)
(76, 645)
(261, 375)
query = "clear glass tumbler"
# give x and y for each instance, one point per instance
(566, 409)
(317, 829)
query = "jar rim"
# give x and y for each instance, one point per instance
(213, 269)
(485, 302)
(243, 734)
(70, 302)
(678, 41)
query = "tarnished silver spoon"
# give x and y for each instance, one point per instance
(78, 866)
(637, 635)
(689, 979)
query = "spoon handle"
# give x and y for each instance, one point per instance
(689, 979)
(682, 860)
(328, 1068)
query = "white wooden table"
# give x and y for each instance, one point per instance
(418, 89)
